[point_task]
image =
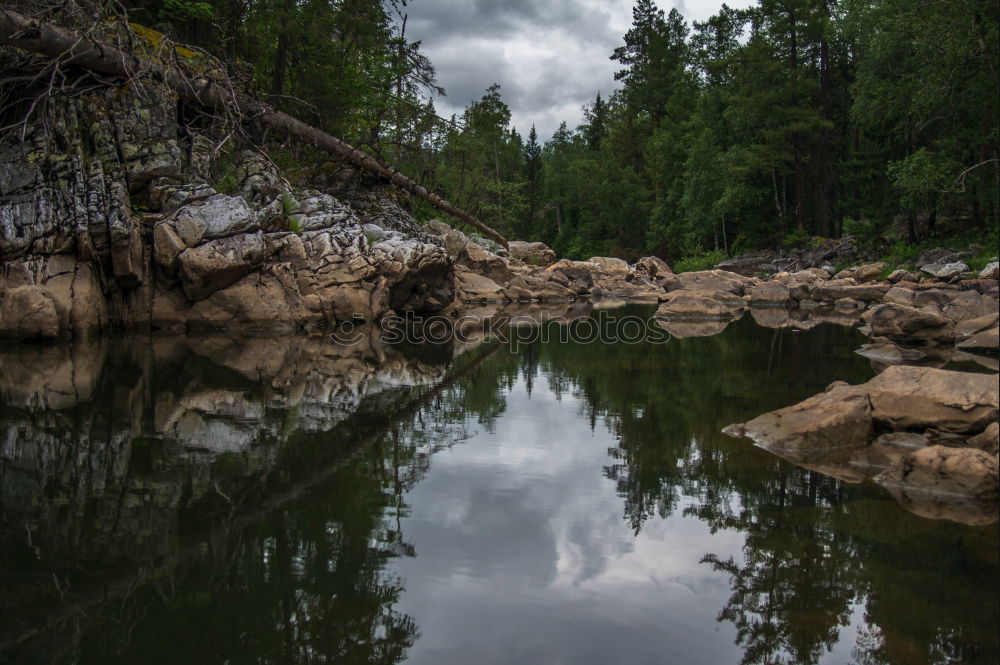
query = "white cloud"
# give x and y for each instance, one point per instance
(550, 58)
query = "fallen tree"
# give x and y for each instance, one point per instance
(70, 48)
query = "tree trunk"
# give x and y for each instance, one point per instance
(826, 139)
(800, 185)
(69, 48)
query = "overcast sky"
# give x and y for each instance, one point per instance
(549, 56)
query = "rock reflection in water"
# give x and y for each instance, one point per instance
(128, 464)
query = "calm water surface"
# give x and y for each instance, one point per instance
(289, 500)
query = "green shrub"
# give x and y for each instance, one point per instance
(797, 239)
(226, 184)
(981, 260)
(867, 233)
(225, 176)
(702, 260)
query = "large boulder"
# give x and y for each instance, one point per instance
(939, 255)
(546, 289)
(610, 265)
(870, 271)
(270, 299)
(685, 306)
(915, 398)
(314, 211)
(474, 287)
(572, 274)
(34, 289)
(709, 282)
(839, 418)
(965, 472)
(770, 294)
(485, 263)
(454, 240)
(901, 323)
(532, 253)
(899, 296)
(653, 266)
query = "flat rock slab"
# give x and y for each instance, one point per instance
(840, 418)
(915, 398)
(963, 472)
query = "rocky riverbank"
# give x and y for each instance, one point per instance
(928, 435)
(121, 209)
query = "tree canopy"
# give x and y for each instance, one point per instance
(776, 124)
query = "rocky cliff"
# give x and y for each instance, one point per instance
(125, 208)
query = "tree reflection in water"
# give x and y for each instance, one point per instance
(213, 500)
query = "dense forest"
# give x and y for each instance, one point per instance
(775, 125)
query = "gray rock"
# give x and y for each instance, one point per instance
(315, 211)
(946, 270)
(218, 216)
(901, 275)
(610, 264)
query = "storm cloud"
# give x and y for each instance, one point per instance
(550, 57)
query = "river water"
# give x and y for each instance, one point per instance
(295, 500)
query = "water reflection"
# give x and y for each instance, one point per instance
(234, 478)
(290, 500)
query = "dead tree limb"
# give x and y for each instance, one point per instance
(69, 48)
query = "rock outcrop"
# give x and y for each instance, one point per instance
(941, 446)
(109, 220)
